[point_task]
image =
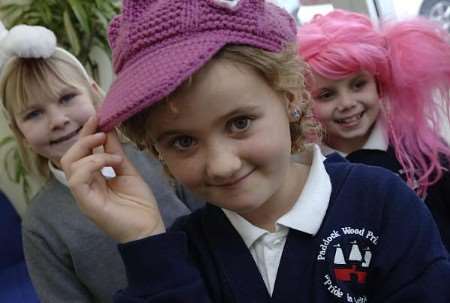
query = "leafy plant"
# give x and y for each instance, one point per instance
(13, 165)
(79, 25)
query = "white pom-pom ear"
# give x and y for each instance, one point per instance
(3, 31)
(27, 41)
(3, 55)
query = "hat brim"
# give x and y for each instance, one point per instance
(153, 76)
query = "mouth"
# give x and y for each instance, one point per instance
(234, 181)
(66, 137)
(351, 120)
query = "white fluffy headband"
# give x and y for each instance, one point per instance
(25, 41)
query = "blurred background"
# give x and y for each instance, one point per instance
(438, 10)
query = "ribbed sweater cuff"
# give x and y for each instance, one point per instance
(157, 263)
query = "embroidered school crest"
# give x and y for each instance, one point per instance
(347, 255)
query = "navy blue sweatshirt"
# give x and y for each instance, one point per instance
(438, 194)
(377, 243)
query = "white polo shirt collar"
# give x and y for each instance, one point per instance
(57, 173)
(308, 211)
(107, 172)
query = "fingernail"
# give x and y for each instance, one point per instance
(116, 157)
(99, 135)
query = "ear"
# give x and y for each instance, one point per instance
(287, 99)
(293, 110)
(95, 87)
(98, 94)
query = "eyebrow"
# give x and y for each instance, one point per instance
(61, 92)
(359, 76)
(227, 116)
(240, 110)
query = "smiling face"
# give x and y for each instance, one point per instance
(50, 125)
(38, 94)
(347, 108)
(226, 137)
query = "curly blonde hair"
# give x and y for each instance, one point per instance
(285, 72)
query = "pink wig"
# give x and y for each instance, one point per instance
(411, 62)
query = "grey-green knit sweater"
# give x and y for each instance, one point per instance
(68, 258)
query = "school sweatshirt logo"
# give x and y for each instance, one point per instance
(347, 254)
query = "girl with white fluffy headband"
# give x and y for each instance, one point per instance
(47, 96)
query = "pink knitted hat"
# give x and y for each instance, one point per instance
(157, 44)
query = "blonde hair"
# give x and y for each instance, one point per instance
(285, 72)
(25, 79)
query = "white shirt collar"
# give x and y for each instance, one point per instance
(107, 172)
(57, 173)
(377, 140)
(308, 211)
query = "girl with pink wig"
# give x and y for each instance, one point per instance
(380, 92)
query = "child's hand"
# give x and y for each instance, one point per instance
(124, 207)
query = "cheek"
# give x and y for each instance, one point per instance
(321, 111)
(376, 106)
(84, 112)
(187, 172)
(33, 133)
(266, 149)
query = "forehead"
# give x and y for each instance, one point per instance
(37, 86)
(321, 81)
(220, 87)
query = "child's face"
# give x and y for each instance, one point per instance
(226, 137)
(50, 127)
(347, 108)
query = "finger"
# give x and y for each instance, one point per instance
(89, 127)
(80, 149)
(84, 170)
(114, 146)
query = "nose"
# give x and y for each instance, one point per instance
(57, 118)
(346, 101)
(222, 164)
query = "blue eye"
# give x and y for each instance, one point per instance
(239, 124)
(67, 97)
(183, 143)
(32, 115)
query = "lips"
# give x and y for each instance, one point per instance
(234, 181)
(351, 120)
(66, 137)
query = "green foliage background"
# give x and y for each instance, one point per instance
(79, 25)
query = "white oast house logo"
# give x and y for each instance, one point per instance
(227, 3)
(346, 254)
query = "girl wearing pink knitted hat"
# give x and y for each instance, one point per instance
(379, 94)
(215, 89)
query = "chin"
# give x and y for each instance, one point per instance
(240, 205)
